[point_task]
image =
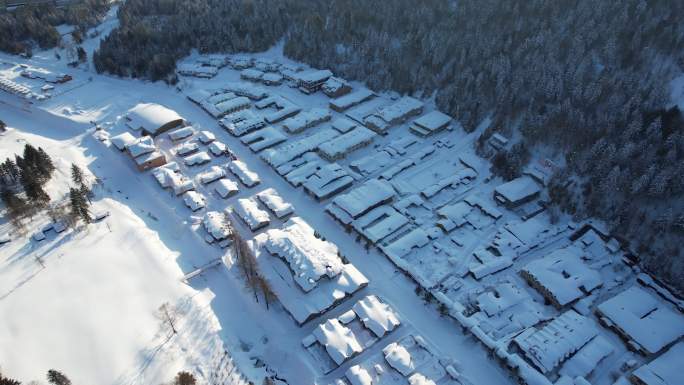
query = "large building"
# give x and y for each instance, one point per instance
(152, 119)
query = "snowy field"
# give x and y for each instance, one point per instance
(419, 221)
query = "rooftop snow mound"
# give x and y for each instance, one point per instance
(376, 315)
(309, 257)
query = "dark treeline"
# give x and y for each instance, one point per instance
(589, 79)
(20, 29)
(153, 34)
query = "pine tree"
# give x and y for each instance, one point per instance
(184, 378)
(56, 377)
(78, 178)
(76, 175)
(33, 188)
(44, 164)
(79, 205)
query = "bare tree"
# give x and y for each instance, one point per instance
(169, 315)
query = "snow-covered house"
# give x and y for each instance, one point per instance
(430, 123)
(295, 148)
(152, 119)
(231, 106)
(343, 125)
(360, 200)
(211, 174)
(181, 133)
(395, 113)
(561, 277)
(226, 188)
(558, 340)
(664, 370)
(283, 113)
(328, 181)
(197, 70)
(643, 320)
(246, 176)
(145, 154)
(336, 87)
(306, 119)
(194, 200)
(150, 160)
(264, 138)
(376, 315)
(321, 278)
(248, 210)
(186, 149)
(197, 159)
(339, 341)
(251, 74)
(272, 79)
(350, 100)
(217, 148)
(517, 192)
(312, 81)
(122, 140)
(344, 144)
(278, 206)
(215, 224)
(206, 137)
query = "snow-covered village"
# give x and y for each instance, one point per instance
(260, 220)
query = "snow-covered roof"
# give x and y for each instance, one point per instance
(122, 140)
(644, 318)
(150, 117)
(379, 223)
(306, 119)
(266, 137)
(293, 148)
(363, 198)
(664, 370)
(343, 124)
(215, 224)
(556, 341)
(433, 120)
(186, 148)
(399, 358)
(275, 203)
(181, 133)
(251, 74)
(226, 187)
(414, 239)
(143, 145)
(339, 341)
(420, 379)
(148, 157)
(518, 189)
(248, 210)
(358, 375)
(194, 200)
(198, 158)
(309, 257)
(347, 142)
(211, 174)
(400, 109)
(351, 99)
(217, 148)
(563, 275)
(246, 176)
(327, 181)
(377, 316)
(315, 76)
(206, 137)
